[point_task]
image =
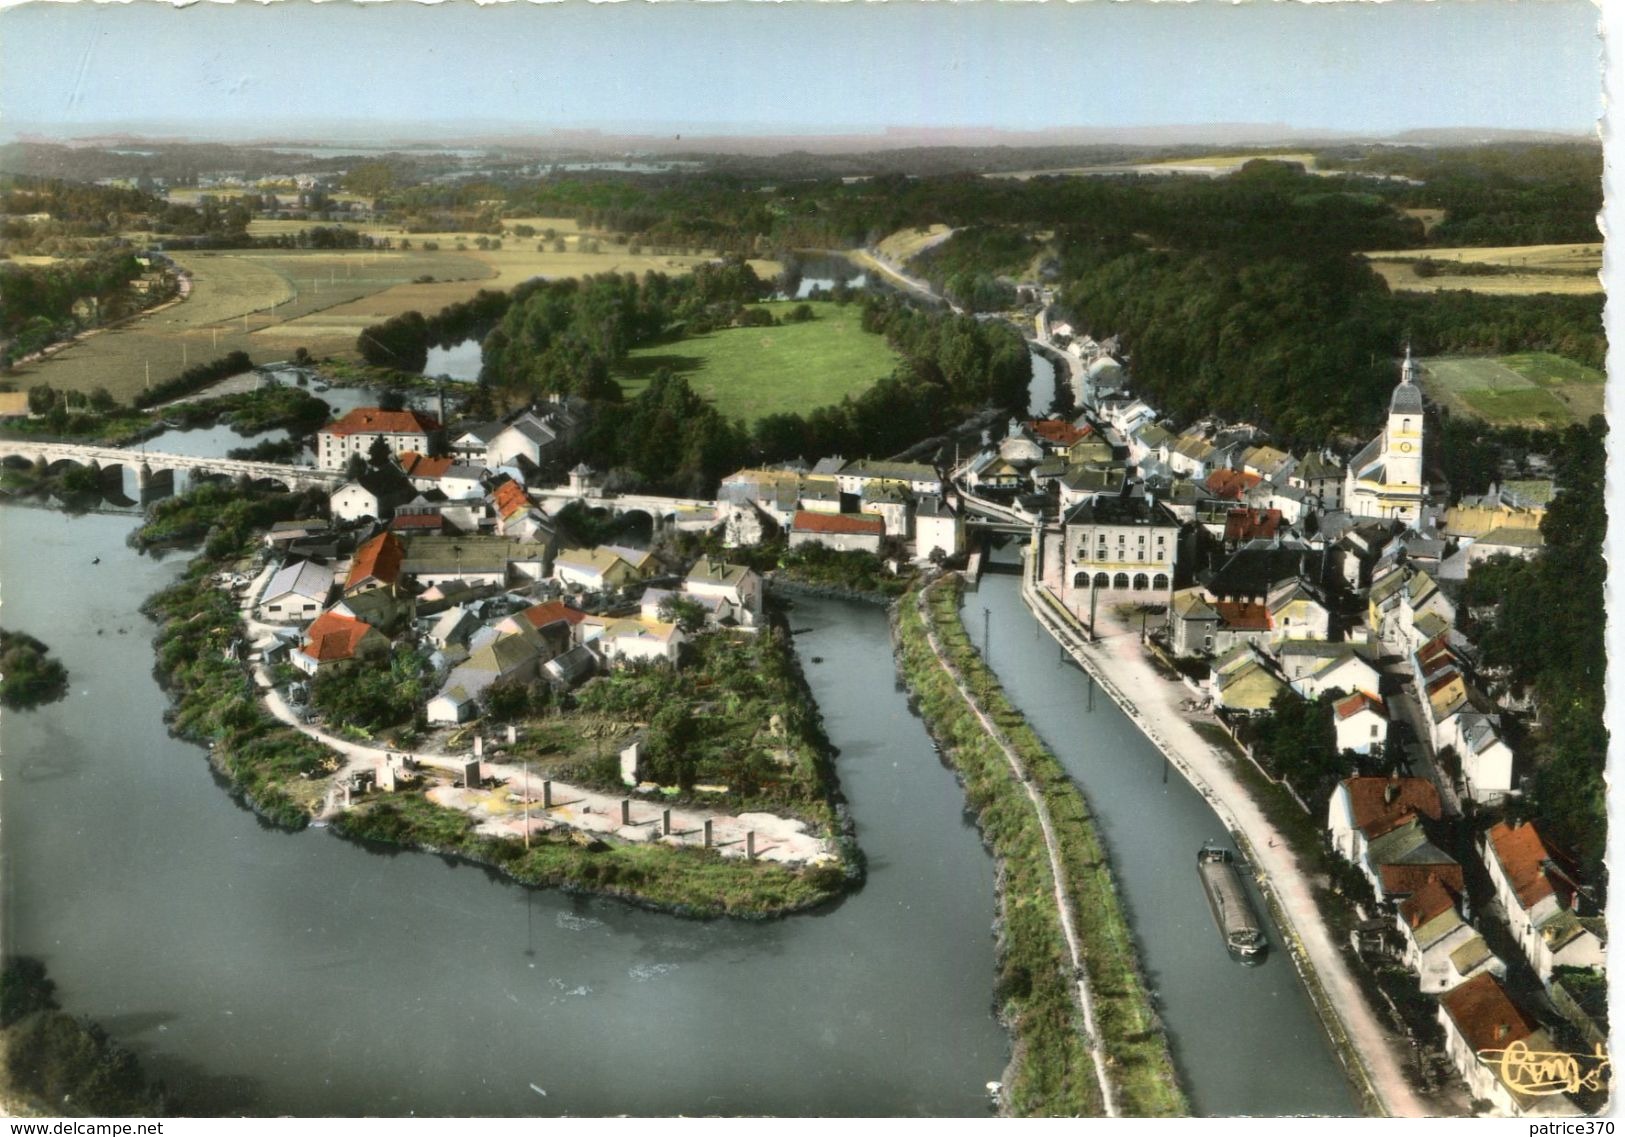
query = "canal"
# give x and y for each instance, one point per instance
(1246, 1040)
(267, 972)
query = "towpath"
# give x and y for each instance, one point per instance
(1063, 903)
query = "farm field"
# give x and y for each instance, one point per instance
(1531, 389)
(749, 373)
(241, 300)
(1528, 268)
(905, 243)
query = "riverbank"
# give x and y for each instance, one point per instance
(1116, 663)
(1087, 1040)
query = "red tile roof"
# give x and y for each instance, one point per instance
(1248, 524)
(332, 636)
(1231, 484)
(509, 498)
(541, 615)
(1434, 650)
(379, 559)
(1524, 858)
(1242, 615)
(373, 420)
(418, 465)
(1058, 431)
(1381, 804)
(431, 522)
(1484, 1016)
(1401, 880)
(1432, 899)
(809, 522)
(1358, 702)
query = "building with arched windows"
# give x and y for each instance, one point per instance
(1122, 542)
(1385, 478)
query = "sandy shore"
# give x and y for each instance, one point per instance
(1123, 671)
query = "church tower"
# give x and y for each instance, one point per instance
(1403, 439)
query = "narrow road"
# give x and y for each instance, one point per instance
(1404, 703)
(1062, 902)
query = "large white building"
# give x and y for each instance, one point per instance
(1119, 542)
(355, 433)
(1385, 478)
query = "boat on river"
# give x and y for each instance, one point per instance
(1232, 911)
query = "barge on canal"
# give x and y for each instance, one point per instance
(1232, 911)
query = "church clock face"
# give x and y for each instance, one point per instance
(1404, 447)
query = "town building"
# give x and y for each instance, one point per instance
(1122, 543)
(354, 434)
(1538, 891)
(843, 531)
(297, 593)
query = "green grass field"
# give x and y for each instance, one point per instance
(1530, 389)
(749, 373)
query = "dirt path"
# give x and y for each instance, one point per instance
(1062, 903)
(1119, 665)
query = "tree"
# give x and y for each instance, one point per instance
(392, 400)
(356, 468)
(686, 613)
(41, 399)
(101, 400)
(379, 454)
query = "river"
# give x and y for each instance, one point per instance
(1245, 1039)
(267, 972)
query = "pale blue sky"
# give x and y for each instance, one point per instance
(804, 66)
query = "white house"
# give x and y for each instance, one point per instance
(1480, 1022)
(845, 531)
(296, 594)
(457, 480)
(529, 437)
(1361, 721)
(937, 526)
(639, 639)
(1441, 947)
(739, 585)
(1537, 891)
(1343, 670)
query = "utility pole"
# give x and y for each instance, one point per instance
(149, 374)
(527, 805)
(985, 632)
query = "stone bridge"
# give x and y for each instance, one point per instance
(663, 510)
(149, 464)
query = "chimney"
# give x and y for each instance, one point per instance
(1501, 1031)
(1390, 791)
